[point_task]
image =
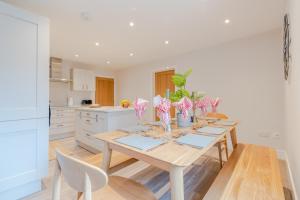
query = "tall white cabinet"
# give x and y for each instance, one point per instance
(24, 64)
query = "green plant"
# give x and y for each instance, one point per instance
(179, 81)
(196, 96)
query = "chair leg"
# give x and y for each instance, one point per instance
(56, 182)
(226, 150)
(220, 154)
(79, 194)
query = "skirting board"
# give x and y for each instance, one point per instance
(22, 190)
(282, 155)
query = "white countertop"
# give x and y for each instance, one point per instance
(106, 109)
(65, 107)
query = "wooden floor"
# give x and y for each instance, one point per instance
(197, 178)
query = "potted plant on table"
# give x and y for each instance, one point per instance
(181, 99)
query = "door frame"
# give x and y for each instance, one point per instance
(163, 69)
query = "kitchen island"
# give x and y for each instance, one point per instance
(90, 121)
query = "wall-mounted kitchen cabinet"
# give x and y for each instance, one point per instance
(83, 80)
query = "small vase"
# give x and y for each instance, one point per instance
(183, 122)
(165, 120)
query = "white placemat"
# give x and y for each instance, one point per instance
(197, 141)
(211, 130)
(135, 129)
(156, 123)
(140, 142)
(226, 123)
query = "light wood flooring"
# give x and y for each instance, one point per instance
(197, 180)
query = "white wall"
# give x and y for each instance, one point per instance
(59, 92)
(246, 74)
(292, 96)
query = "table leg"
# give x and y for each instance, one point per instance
(106, 157)
(177, 184)
(233, 137)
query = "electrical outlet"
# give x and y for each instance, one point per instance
(269, 134)
(264, 134)
(275, 135)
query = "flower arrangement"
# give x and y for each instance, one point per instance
(202, 104)
(184, 105)
(184, 102)
(162, 106)
(140, 106)
(196, 98)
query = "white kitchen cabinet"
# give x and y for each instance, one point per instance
(90, 121)
(24, 72)
(62, 123)
(83, 80)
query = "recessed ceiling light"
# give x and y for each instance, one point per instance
(131, 24)
(108, 62)
(227, 21)
(97, 43)
(76, 55)
(166, 42)
(131, 54)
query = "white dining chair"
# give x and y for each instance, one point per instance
(93, 183)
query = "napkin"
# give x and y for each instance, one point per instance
(214, 104)
(140, 106)
(162, 106)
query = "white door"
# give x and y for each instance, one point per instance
(24, 67)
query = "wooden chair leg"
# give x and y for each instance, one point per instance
(79, 194)
(226, 150)
(220, 154)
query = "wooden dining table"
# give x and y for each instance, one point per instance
(170, 156)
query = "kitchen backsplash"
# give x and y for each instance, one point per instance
(59, 92)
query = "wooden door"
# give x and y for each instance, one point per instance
(163, 81)
(104, 91)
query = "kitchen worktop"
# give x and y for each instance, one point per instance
(106, 109)
(70, 107)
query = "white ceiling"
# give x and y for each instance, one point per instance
(188, 25)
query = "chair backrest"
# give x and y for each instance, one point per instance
(217, 115)
(77, 172)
